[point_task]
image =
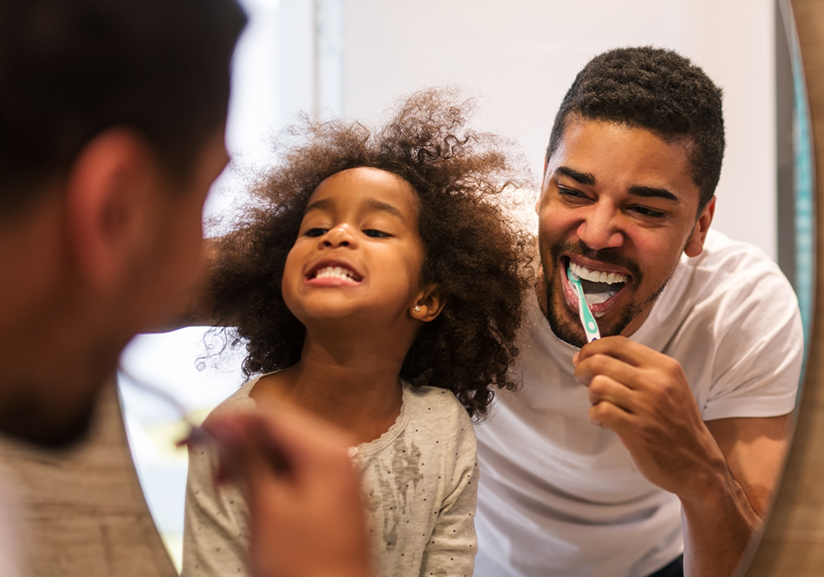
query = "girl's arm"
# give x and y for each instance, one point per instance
(450, 550)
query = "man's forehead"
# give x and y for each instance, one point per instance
(596, 152)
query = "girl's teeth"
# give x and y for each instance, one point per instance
(334, 272)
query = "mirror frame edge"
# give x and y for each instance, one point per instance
(793, 540)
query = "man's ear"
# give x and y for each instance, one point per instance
(428, 305)
(109, 195)
(695, 244)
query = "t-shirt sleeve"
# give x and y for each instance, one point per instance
(215, 530)
(450, 551)
(759, 350)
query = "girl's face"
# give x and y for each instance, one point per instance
(358, 252)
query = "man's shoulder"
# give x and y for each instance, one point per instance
(733, 292)
(728, 265)
(721, 249)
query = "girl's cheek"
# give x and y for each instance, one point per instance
(290, 271)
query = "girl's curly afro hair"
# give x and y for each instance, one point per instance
(472, 248)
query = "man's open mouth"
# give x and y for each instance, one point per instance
(599, 286)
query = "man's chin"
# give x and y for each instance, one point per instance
(563, 331)
(26, 421)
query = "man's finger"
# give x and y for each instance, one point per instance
(610, 416)
(605, 389)
(601, 364)
(277, 442)
(620, 348)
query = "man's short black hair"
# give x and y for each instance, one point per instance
(70, 69)
(658, 90)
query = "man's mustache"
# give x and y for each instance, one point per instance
(610, 256)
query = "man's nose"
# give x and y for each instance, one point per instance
(342, 235)
(600, 228)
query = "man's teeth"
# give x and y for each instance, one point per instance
(597, 276)
(335, 272)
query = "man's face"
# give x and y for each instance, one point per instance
(619, 206)
(162, 265)
(174, 261)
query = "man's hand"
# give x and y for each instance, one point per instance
(724, 472)
(643, 396)
(307, 518)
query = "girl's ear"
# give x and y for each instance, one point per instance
(428, 305)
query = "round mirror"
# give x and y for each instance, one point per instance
(354, 58)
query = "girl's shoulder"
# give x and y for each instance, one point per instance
(436, 409)
(433, 399)
(240, 400)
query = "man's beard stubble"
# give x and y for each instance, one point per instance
(31, 413)
(23, 417)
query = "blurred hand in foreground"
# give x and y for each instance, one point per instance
(307, 517)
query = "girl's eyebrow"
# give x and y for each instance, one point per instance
(369, 203)
(322, 204)
(379, 205)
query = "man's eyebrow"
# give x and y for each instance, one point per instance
(580, 177)
(639, 190)
(652, 192)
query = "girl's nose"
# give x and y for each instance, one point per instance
(341, 235)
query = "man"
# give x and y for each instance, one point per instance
(112, 116)
(666, 435)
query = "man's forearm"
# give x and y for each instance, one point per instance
(717, 529)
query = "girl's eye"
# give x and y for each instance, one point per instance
(375, 233)
(315, 232)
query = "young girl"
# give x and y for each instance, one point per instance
(377, 284)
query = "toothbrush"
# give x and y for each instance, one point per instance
(590, 326)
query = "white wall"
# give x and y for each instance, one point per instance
(520, 56)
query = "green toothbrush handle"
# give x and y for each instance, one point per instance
(590, 326)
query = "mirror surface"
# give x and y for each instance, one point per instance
(355, 58)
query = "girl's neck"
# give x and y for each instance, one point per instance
(352, 384)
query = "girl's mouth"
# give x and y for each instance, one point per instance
(335, 273)
(600, 287)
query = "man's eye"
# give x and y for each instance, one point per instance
(374, 233)
(315, 232)
(570, 192)
(648, 212)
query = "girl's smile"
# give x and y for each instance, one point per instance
(331, 272)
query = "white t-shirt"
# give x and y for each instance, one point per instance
(420, 486)
(560, 496)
